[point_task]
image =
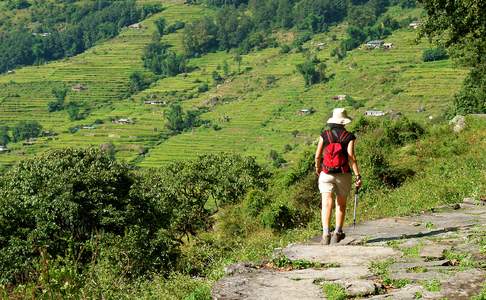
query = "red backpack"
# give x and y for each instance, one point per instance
(335, 157)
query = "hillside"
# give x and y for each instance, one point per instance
(261, 116)
(126, 193)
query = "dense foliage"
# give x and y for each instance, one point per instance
(159, 59)
(235, 27)
(313, 71)
(433, 54)
(64, 29)
(461, 26)
(178, 120)
(24, 130)
(81, 207)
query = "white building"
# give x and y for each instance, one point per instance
(374, 113)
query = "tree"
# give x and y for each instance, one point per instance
(457, 25)
(161, 25)
(138, 82)
(25, 130)
(159, 59)
(74, 111)
(59, 94)
(175, 117)
(4, 135)
(434, 54)
(284, 14)
(200, 37)
(238, 59)
(313, 71)
(57, 204)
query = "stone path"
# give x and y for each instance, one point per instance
(430, 256)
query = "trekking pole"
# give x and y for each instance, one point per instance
(356, 190)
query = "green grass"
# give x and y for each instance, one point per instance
(334, 291)
(381, 269)
(432, 285)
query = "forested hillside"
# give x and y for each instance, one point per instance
(148, 144)
(39, 31)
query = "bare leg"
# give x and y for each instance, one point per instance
(340, 211)
(327, 205)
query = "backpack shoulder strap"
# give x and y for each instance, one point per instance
(344, 135)
(329, 136)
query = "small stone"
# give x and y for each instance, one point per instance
(433, 251)
(359, 287)
(239, 268)
(458, 123)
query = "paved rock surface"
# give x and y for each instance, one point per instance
(437, 248)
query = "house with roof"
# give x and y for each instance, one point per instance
(123, 121)
(374, 44)
(339, 97)
(414, 24)
(136, 26)
(3, 148)
(78, 87)
(154, 102)
(374, 113)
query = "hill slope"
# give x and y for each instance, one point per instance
(254, 115)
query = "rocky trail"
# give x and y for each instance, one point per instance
(438, 255)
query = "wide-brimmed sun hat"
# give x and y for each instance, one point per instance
(339, 116)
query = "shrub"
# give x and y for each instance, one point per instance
(203, 87)
(254, 202)
(4, 135)
(433, 54)
(25, 130)
(278, 217)
(72, 203)
(400, 132)
(276, 158)
(313, 71)
(74, 111)
(285, 49)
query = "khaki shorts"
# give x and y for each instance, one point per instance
(339, 183)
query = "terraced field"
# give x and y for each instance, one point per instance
(253, 114)
(103, 71)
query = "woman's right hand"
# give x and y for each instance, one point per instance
(358, 183)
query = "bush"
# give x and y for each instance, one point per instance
(72, 203)
(254, 202)
(278, 217)
(25, 130)
(400, 132)
(276, 158)
(84, 210)
(433, 54)
(285, 49)
(203, 87)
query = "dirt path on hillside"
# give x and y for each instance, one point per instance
(431, 256)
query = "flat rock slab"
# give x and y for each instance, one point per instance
(269, 284)
(359, 287)
(433, 251)
(426, 225)
(408, 292)
(463, 285)
(342, 255)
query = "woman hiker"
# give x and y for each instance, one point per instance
(335, 158)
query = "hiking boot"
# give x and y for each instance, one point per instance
(337, 237)
(326, 239)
